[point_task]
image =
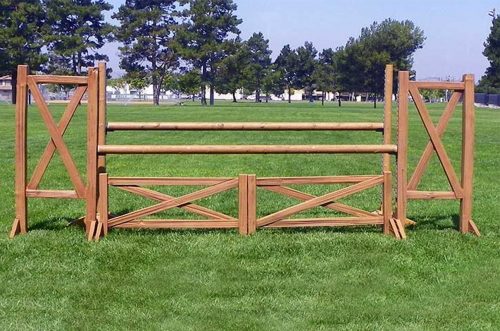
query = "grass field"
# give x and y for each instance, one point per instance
(330, 279)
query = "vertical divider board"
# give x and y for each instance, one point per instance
(23, 190)
(460, 189)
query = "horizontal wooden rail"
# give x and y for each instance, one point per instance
(333, 221)
(278, 181)
(246, 149)
(248, 126)
(430, 195)
(52, 79)
(56, 194)
(457, 86)
(166, 181)
(178, 224)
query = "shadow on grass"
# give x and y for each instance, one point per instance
(437, 222)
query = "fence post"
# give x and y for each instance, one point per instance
(467, 154)
(20, 224)
(402, 155)
(243, 204)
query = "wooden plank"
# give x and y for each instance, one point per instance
(252, 204)
(474, 229)
(468, 122)
(50, 149)
(402, 156)
(243, 204)
(324, 222)
(337, 206)
(441, 128)
(16, 228)
(388, 87)
(245, 149)
(92, 132)
(103, 202)
(279, 181)
(56, 194)
(245, 126)
(456, 86)
(431, 195)
(321, 200)
(191, 207)
(178, 224)
(387, 201)
(437, 143)
(166, 181)
(101, 137)
(21, 149)
(52, 79)
(57, 139)
(174, 203)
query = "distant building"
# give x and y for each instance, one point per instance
(6, 88)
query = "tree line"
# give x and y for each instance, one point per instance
(195, 47)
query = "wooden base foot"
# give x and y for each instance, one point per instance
(473, 228)
(397, 229)
(91, 230)
(98, 232)
(16, 228)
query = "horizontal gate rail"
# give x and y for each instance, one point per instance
(246, 149)
(244, 126)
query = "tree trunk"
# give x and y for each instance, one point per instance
(14, 85)
(79, 64)
(340, 101)
(289, 95)
(257, 95)
(193, 96)
(234, 96)
(203, 85)
(323, 98)
(267, 98)
(212, 95)
(374, 101)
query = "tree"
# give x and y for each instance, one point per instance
(361, 63)
(258, 65)
(490, 82)
(137, 81)
(306, 59)
(204, 38)
(23, 28)
(77, 30)
(230, 71)
(189, 82)
(272, 82)
(147, 29)
(324, 73)
(286, 63)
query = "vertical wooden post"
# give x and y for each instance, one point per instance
(243, 204)
(101, 138)
(387, 202)
(92, 133)
(388, 113)
(20, 224)
(252, 204)
(468, 119)
(402, 155)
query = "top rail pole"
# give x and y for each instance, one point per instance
(244, 126)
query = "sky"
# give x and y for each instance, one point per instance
(455, 29)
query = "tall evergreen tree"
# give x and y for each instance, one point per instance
(306, 57)
(230, 72)
(23, 29)
(205, 37)
(287, 63)
(77, 31)
(490, 82)
(147, 30)
(260, 60)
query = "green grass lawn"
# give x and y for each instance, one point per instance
(332, 279)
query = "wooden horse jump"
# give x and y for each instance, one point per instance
(23, 189)
(98, 219)
(461, 189)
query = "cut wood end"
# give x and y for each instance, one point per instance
(473, 228)
(16, 228)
